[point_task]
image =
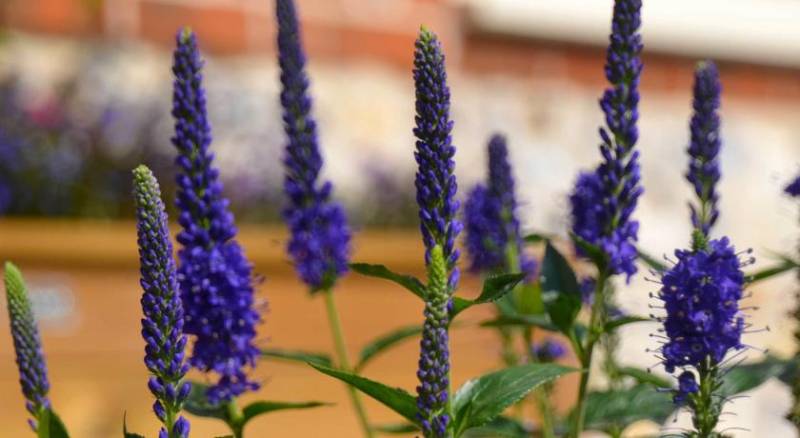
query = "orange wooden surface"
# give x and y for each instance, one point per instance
(95, 353)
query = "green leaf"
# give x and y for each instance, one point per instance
(763, 274)
(494, 288)
(125, 432)
(617, 409)
(539, 321)
(51, 426)
(303, 357)
(500, 427)
(536, 238)
(651, 261)
(395, 399)
(644, 376)
(592, 252)
(560, 289)
(745, 377)
(262, 407)
(197, 404)
(396, 429)
(481, 400)
(380, 271)
(385, 342)
(616, 323)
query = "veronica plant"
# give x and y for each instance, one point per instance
(603, 201)
(30, 357)
(214, 276)
(702, 290)
(437, 411)
(162, 325)
(319, 243)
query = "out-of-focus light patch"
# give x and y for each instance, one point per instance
(54, 304)
(759, 31)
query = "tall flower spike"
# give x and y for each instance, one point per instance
(483, 232)
(435, 180)
(703, 323)
(490, 220)
(162, 325)
(27, 345)
(320, 237)
(704, 172)
(215, 278)
(603, 201)
(436, 191)
(501, 184)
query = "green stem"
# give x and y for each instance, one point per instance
(542, 394)
(235, 419)
(344, 361)
(595, 330)
(705, 410)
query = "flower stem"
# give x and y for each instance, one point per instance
(593, 335)
(344, 361)
(542, 394)
(235, 419)
(705, 411)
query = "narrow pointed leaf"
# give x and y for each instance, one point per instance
(616, 323)
(395, 399)
(386, 342)
(396, 429)
(481, 400)
(651, 261)
(51, 426)
(536, 238)
(303, 357)
(744, 377)
(771, 271)
(539, 321)
(409, 282)
(494, 288)
(125, 433)
(262, 407)
(592, 252)
(500, 427)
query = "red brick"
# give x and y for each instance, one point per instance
(222, 30)
(65, 17)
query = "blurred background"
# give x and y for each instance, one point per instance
(85, 89)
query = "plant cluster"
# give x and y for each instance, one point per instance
(200, 311)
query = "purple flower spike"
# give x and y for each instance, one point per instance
(435, 180)
(320, 237)
(603, 201)
(215, 278)
(490, 217)
(436, 191)
(701, 295)
(27, 345)
(484, 237)
(704, 172)
(162, 325)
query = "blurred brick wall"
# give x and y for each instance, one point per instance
(374, 31)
